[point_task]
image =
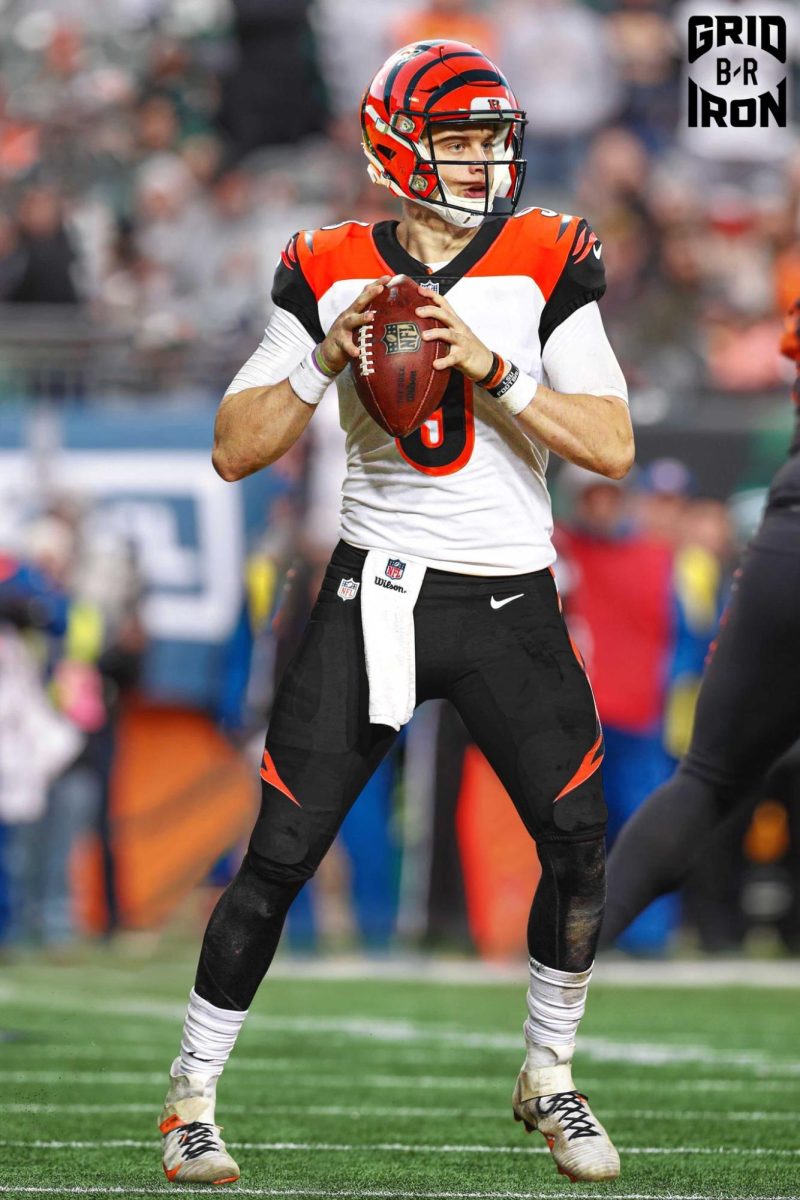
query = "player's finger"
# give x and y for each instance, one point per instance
(353, 319)
(366, 296)
(451, 360)
(431, 294)
(443, 334)
(438, 314)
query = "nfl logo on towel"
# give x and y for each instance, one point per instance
(395, 568)
(348, 588)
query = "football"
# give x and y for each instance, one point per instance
(394, 374)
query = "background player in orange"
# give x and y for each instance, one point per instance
(458, 517)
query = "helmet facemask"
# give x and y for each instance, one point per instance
(501, 187)
(503, 174)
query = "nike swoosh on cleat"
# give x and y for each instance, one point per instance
(500, 603)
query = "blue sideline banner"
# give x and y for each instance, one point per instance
(150, 474)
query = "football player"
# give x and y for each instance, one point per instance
(748, 708)
(441, 585)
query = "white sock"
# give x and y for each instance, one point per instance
(556, 1002)
(209, 1035)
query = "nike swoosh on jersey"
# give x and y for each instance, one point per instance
(500, 603)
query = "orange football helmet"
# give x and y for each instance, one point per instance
(449, 83)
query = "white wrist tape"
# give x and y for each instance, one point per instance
(515, 390)
(308, 382)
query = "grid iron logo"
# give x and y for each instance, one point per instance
(740, 47)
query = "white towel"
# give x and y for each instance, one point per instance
(390, 585)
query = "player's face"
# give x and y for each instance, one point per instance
(471, 144)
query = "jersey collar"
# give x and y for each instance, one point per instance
(401, 262)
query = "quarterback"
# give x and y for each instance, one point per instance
(441, 584)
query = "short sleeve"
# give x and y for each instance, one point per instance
(292, 292)
(579, 358)
(582, 280)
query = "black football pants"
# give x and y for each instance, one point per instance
(498, 649)
(748, 716)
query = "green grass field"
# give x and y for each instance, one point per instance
(378, 1088)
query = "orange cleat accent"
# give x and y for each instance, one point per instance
(173, 1122)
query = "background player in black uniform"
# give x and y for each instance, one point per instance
(748, 710)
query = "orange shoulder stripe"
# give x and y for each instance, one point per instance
(536, 244)
(346, 251)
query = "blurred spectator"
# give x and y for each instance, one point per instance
(456, 20)
(46, 259)
(36, 743)
(20, 142)
(646, 48)
(102, 645)
(274, 94)
(662, 497)
(557, 56)
(620, 600)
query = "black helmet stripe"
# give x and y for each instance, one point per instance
(419, 75)
(390, 78)
(419, 48)
(458, 81)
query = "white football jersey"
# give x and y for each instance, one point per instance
(466, 491)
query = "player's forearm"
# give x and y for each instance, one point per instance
(255, 427)
(592, 431)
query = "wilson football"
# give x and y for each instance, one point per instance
(394, 374)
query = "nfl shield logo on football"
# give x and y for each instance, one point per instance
(348, 588)
(395, 568)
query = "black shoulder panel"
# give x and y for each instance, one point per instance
(292, 291)
(582, 279)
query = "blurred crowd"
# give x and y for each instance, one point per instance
(152, 166)
(70, 642)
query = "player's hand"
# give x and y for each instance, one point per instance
(339, 346)
(467, 352)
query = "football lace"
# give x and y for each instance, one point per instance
(365, 350)
(198, 1138)
(571, 1108)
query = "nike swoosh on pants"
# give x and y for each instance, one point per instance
(500, 603)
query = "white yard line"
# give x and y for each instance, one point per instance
(618, 972)
(68, 1078)
(386, 1031)
(593, 1049)
(402, 1148)
(358, 1193)
(439, 1111)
